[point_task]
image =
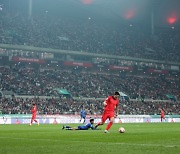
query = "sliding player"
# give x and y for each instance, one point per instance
(85, 127)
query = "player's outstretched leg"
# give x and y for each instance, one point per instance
(36, 121)
(98, 124)
(67, 127)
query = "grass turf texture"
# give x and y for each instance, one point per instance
(147, 138)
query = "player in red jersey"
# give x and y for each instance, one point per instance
(110, 106)
(33, 111)
(162, 115)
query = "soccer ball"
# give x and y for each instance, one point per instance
(121, 130)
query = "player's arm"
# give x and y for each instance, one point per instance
(106, 102)
(92, 127)
(117, 111)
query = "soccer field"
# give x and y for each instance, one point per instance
(147, 138)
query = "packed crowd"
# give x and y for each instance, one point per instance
(89, 36)
(93, 107)
(43, 82)
(149, 107)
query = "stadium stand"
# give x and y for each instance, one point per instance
(19, 82)
(95, 37)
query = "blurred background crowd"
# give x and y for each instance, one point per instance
(84, 32)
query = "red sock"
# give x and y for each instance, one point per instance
(109, 125)
(99, 123)
(35, 120)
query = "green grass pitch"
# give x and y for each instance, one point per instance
(147, 138)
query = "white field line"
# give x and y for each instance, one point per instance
(106, 143)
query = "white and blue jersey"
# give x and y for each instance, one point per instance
(86, 127)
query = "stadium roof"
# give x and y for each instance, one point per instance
(166, 12)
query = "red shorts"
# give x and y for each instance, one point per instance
(33, 117)
(162, 116)
(107, 115)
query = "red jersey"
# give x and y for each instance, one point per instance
(162, 113)
(33, 110)
(112, 103)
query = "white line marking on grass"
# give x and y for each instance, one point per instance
(128, 144)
